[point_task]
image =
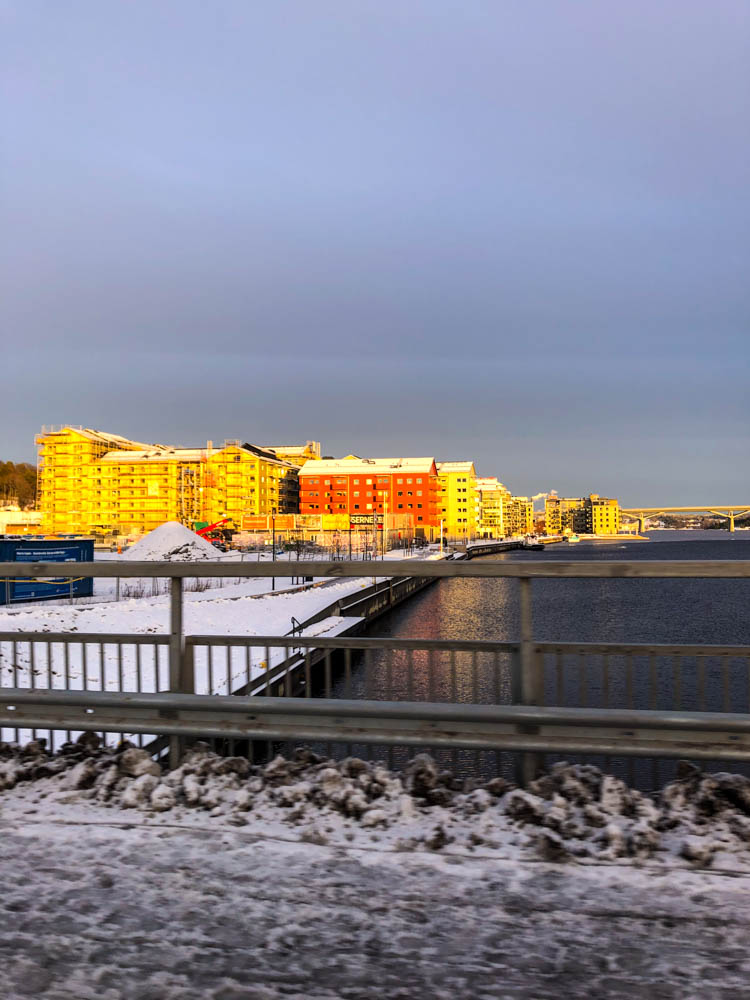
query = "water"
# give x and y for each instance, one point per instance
(615, 610)
(684, 611)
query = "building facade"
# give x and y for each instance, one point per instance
(519, 516)
(458, 499)
(92, 482)
(368, 488)
(602, 515)
(564, 515)
(295, 454)
(492, 498)
(591, 515)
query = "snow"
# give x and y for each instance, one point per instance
(313, 879)
(171, 542)
(573, 813)
(233, 607)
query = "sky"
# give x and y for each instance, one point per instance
(512, 232)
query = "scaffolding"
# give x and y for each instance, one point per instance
(190, 494)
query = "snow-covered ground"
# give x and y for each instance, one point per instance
(316, 880)
(233, 607)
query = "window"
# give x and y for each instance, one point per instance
(369, 482)
(408, 480)
(419, 481)
(369, 506)
(419, 506)
(356, 493)
(419, 493)
(400, 506)
(400, 483)
(356, 506)
(400, 493)
(356, 482)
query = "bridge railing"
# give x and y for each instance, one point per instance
(653, 700)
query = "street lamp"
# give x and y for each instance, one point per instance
(273, 545)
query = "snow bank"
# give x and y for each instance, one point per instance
(575, 812)
(171, 542)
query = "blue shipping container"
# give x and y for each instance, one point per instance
(44, 550)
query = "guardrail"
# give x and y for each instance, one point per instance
(487, 727)
(656, 684)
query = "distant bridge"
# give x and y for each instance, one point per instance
(730, 511)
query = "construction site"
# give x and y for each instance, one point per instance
(94, 483)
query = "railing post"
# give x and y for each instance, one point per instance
(175, 658)
(187, 681)
(530, 683)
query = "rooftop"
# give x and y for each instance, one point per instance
(353, 464)
(444, 468)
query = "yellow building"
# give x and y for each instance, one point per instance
(591, 515)
(14, 521)
(458, 499)
(602, 515)
(564, 515)
(67, 475)
(90, 482)
(519, 516)
(296, 454)
(492, 498)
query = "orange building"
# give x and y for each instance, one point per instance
(367, 487)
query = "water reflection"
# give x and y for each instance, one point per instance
(616, 610)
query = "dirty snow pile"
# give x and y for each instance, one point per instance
(573, 812)
(171, 542)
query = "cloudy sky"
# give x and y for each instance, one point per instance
(516, 232)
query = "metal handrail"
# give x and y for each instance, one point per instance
(657, 569)
(527, 678)
(530, 729)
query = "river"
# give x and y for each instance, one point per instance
(684, 611)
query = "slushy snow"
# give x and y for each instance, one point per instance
(314, 879)
(171, 542)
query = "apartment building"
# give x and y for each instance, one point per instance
(295, 454)
(564, 515)
(365, 488)
(491, 500)
(458, 499)
(591, 515)
(602, 515)
(519, 516)
(93, 482)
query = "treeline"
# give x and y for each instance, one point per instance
(17, 483)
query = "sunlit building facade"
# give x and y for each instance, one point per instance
(458, 499)
(369, 488)
(93, 482)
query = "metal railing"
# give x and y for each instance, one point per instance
(529, 696)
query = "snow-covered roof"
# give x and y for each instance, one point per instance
(339, 466)
(103, 437)
(444, 468)
(487, 484)
(294, 449)
(162, 453)
(155, 454)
